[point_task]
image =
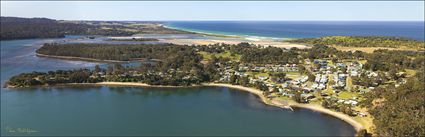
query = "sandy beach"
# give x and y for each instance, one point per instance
(291, 104)
(274, 102)
(138, 84)
(264, 42)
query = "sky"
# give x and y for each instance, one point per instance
(218, 10)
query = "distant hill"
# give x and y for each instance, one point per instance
(25, 28)
(26, 20)
(364, 41)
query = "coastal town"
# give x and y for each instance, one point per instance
(328, 82)
(320, 76)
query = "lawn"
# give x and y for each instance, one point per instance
(410, 72)
(316, 101)
(367, 122)
(349, 83)
(227, 54)
(261, 74)
(331, 63)
(293, 75)
(363, 61)
(372, 49)
(347, 95)
(329, 89)
(257, 74)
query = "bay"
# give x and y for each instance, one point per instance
(121, 111)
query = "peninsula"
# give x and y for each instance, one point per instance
(343, 84)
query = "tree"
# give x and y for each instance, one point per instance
(244, 81)
(261, 86)
(109, 70)
(311, 77)
(362, 133)
(97, 69)
(213, 59)
(277, 77)
(297, 97)
(25, 28)
(79, 76)
(402, 111)
(233, 79)
(325, 104)
(346, 110)
(302, 69)
(393, 73)
(118, 68)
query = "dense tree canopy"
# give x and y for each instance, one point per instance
(399, 111)
(385, 60)
(26, 28)
(364, 41)
(22, 28)
(115, 51)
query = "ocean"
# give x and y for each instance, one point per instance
(305, 29)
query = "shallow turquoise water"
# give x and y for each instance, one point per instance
(100, 110)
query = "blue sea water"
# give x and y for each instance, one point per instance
(305, 29)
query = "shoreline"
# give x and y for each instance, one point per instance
(78, 58)
(224, 35)
(204, 33)
(72, 58)
(317, 108)
(129, 84)
(273, 102)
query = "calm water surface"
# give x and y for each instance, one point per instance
(101, 110)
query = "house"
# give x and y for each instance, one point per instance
(307, 96)
(362, 114)
(285, 85)
(321, 86)
(351, 102)
(314, 86)
(317, 78)
(280, 90)
(304, 79)
(288, 95)
(262, 78)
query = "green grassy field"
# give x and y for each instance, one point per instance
(347, 95)
(293, 75)
(227, 54)
(410, 72)
(349, 83)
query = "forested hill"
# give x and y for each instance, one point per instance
(26, 20)
(25, 28)
(364, 41)
(118, 52)
(399, 111)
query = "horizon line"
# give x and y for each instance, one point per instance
(200, 20)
